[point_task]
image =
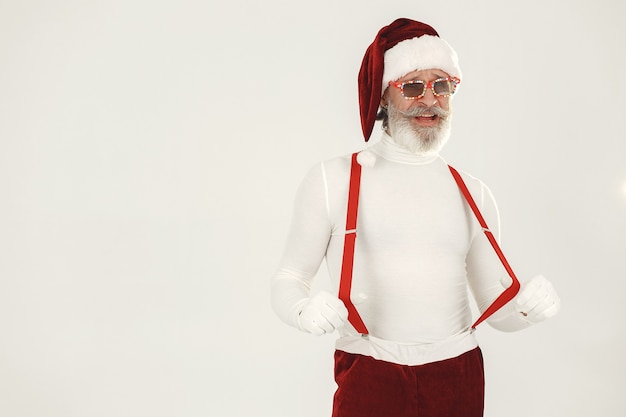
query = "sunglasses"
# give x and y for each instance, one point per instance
(441, 87)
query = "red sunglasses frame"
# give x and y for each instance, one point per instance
(427, 85)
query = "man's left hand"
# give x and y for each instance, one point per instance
(537, 300)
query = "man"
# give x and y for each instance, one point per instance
(406, 343)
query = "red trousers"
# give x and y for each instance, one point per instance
(368, 387)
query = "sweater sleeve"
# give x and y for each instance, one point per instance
(305, 248)
(486, 274)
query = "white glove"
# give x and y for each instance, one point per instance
(537, 300)
(322, 314)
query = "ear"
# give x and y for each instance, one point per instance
(383, 100)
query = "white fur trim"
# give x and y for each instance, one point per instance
(422, 53)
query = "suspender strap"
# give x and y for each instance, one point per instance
(345, 283)
(510, 292)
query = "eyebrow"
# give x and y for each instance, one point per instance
(437, 76)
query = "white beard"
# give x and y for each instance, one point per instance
(417, 139)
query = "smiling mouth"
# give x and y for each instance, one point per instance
(427, 119)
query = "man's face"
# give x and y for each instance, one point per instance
(421, 125)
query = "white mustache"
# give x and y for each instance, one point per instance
(420, 111)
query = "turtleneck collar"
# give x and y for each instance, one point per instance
(391, 151)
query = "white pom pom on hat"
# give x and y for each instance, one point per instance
(366, 158)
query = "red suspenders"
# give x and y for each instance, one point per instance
(510, 292)
(350, 238)
(345, 282)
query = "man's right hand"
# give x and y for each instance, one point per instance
(322, 314)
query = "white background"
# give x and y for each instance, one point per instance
(149, 156)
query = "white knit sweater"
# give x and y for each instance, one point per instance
(418, 248)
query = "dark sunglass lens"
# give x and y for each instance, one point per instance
(413, 89)
(444, 87)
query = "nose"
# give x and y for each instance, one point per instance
(428, 99)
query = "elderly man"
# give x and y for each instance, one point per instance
(406, 343)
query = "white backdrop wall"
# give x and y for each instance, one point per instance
(149, 156)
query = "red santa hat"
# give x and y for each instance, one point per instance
(399, 48)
